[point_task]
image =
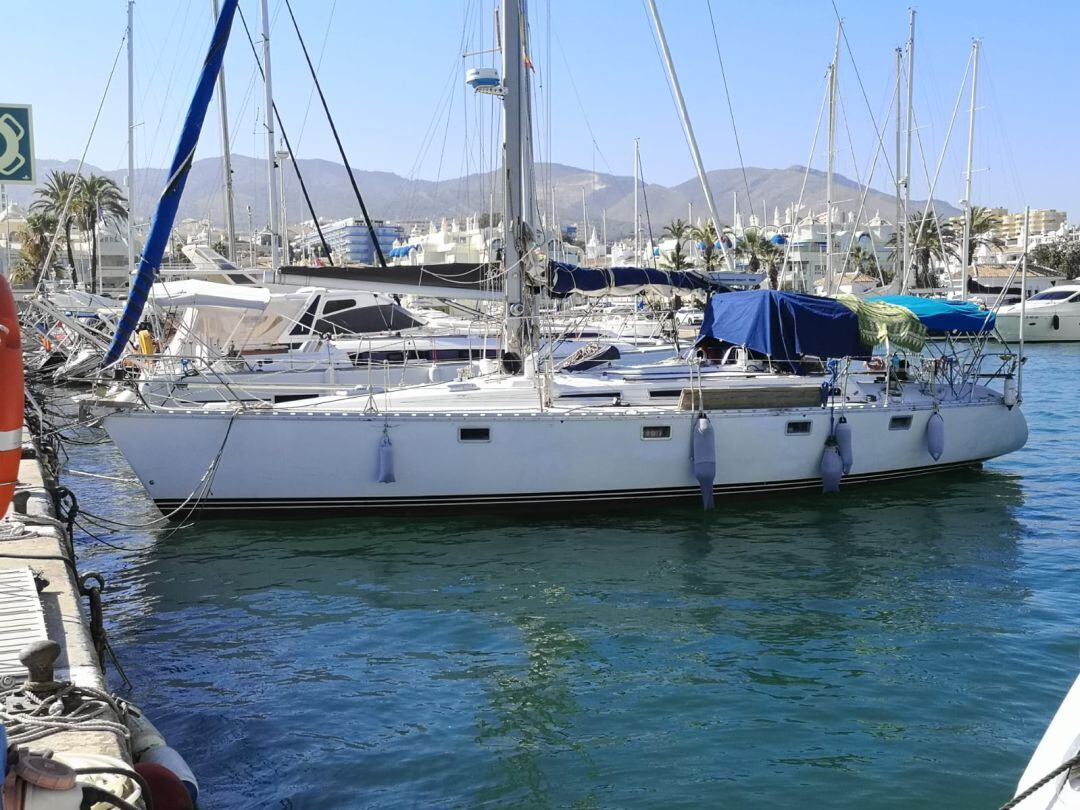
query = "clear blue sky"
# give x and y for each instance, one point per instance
(393, 73)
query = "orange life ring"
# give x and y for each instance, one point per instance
(11, 395)
(875, 364)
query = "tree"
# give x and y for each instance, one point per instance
(931, 239)
(35, 236)
(707, 236)
(985, 225)
(863, 260)
(760, 250)
(98, 200)
(678, 230)
(1060, 255)
(52, 199)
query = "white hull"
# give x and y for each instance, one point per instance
(1060, 743)
(1041, 327)
(307, 459)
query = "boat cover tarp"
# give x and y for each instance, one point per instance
(783, 326)
(567, 279)
(200, 293)
(940, 315)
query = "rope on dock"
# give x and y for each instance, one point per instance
(28, 717)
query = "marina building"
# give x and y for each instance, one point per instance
(350, 241)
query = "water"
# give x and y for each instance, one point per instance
(884, 648)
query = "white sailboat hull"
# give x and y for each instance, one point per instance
(306, 460)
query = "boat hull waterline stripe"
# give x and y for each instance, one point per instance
(254, 507)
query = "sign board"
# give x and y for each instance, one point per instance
(16, 144)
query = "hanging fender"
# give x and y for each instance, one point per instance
(11, 395)
(704, 457)
(935, 435)
(385, 472)
(832, 466)
(843, 443)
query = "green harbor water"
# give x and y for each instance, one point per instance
(891, 647)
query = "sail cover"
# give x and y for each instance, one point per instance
(158, 237)
(783, 326)
(940, 315)
(567, 279)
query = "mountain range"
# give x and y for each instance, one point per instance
(393, 197)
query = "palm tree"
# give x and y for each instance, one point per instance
(35, 236)
(98, 199)
(680, 232)
(760, 250)
(931, 239)
(985, 225)
(706, 235)
(52, 199)
(862, 259)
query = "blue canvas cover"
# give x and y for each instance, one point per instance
(784, 326)
(567, 279)
(940, 315)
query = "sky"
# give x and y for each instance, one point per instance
(393, 74)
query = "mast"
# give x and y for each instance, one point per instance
(900, 227)
(157, 238)
(131, 136)
(584, 221)
(966, 249)
(908, 247)
(226, 159)
(688, 128)
(1023, 305)
(829, 173)
(271, 158)
(637, 217)
(515, 116)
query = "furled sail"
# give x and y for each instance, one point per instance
(569, 279)
(158, 237)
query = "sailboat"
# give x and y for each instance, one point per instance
(781, 394)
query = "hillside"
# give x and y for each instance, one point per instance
(391, 196)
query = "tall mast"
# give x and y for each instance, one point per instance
(908, 247)
(271, 168)
(515, 116)
(965, 251)
(584, 218)
(690, 139)
(226, 159)
(900, 226)
(637, 218)
(131, 135)
(829, 173)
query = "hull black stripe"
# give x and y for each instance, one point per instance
(260, 507)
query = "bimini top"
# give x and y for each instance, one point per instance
(567, 279)
(940, 315)
(784, 326)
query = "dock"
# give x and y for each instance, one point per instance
(43, 600)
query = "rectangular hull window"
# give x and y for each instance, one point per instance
(900, 423)
(799, 428)
(656, 432)
(474, 434)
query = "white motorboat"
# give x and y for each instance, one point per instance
(1055, 762)
(1049, 316)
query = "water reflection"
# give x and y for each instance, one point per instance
(559, 662)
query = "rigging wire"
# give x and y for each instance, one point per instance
(294, 161)
(337, 139)
(731, 110)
